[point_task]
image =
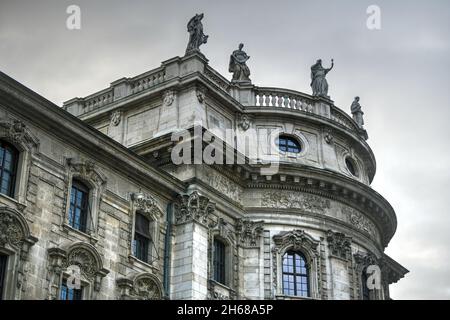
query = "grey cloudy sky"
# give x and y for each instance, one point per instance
(401, 73)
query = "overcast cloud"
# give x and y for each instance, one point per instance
(401, 73)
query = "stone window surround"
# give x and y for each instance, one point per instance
(301, 139)
(86, 172)
(309, 252)
(15, 242)
(146, 205)
(17, 134)
(89, 261)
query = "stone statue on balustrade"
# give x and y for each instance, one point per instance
(238, 65)
(319, 84)
(357, 113)
(196, 35)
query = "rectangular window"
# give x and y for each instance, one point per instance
(219, 261)
(70, 294)
(79, 206)
(142, 238)
(3, 266)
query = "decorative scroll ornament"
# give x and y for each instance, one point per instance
(10, 230)
(249, 232)
(194, 207)
(339, 244)
(116, 117)
(296, 239)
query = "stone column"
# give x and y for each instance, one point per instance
(190, 252)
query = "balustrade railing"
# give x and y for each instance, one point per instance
(146, 81)
(279, 98)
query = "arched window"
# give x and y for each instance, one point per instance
(79, 206)
(288, 144)
(9, 157)
(3, 265)
(295, 274)
(219, 262)
(142, 238)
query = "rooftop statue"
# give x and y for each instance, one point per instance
(319, 84)
(357, 112)
(238, 65)
(196, 35)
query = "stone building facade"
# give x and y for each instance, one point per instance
(147, 228)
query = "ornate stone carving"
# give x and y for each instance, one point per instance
(328, 136)
(82, 255)
(86, 169)
(364, 259)
(10, 230)
(224, 185)
(200, 92)
(194, 207)
(146, 204)
(359, 221)
(339, 244)
(168, 98)
(17, 132)
(196, 35)
(144, 286)
(116, 117)
(249, 232)
(244, 122)
(297, 240)
(319, 84)
(307, 202)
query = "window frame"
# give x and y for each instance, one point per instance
(219, 262)
(295, 148)
(13, 171)
(147, 238)
(298, 292)
(4, 259)
(80, 187)
(79, 292)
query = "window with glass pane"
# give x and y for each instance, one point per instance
(79, 206)
(219, 261)
(288, 144)
(9, 157)
(70, 294)
(3, 265)
(295, 274)
(142, 238)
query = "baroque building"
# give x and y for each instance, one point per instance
(93, 206)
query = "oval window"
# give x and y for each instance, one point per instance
(351, 166)
(288, 144)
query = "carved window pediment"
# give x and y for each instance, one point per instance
(143, 286)
(87, 171)
(147, 205)
(14, 230)
(17, 133)
(82, 255)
